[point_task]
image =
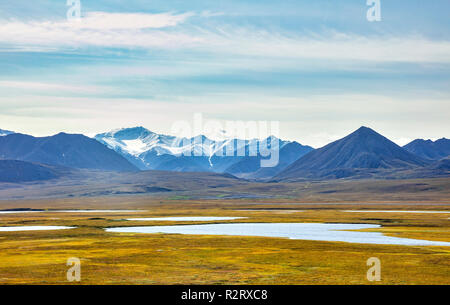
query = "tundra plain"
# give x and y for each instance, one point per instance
(39, 257)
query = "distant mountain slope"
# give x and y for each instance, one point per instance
(428, 149)
(5, 132)
(87, 183)
(250, 167)
(443, 164)
(363, 149)
(19, 171)
(149, 150)
(69, 150)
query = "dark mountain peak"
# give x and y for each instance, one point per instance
(138, 130)
(442, 140)
(296, 146)
(364, 140)
(364, 132)
(18, 135)
(362, 149)
(418, 141)
(68, 135)
(127, 133)
(364, 129)
(70, 150)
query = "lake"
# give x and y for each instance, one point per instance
(199, 218)
(281, 211)
(304, 231)
(71, 211)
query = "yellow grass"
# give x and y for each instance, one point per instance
(119, 258)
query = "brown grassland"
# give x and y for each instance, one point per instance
(39, 257)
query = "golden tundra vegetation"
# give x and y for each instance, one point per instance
(39, 257)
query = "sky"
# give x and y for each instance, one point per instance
(319, 68)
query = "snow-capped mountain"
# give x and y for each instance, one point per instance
(149, 150)
(5, 132)
(135, 141)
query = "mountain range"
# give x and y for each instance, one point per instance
(150, 151)
(428, 149)
(362, 154)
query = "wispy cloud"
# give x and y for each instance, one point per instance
(52, 87)
(101, 21)
(148, 31)
(120, 21)
(100, 30)
(330, 45)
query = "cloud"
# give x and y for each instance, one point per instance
(118, 21)
(98, 29)
(331, 46)
(160, 31)
(53, 87)
(101, 21)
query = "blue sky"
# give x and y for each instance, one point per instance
(319, 67)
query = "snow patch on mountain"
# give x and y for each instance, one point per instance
(135, 147)
(5, 132)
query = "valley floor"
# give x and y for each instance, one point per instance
(39, 257)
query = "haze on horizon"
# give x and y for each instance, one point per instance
(320, 68)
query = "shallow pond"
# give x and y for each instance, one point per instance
(97, 211)
(33, 228)
(304, 231)
(71, 211)
(199, 218)
(281, 211)
(17, 212)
